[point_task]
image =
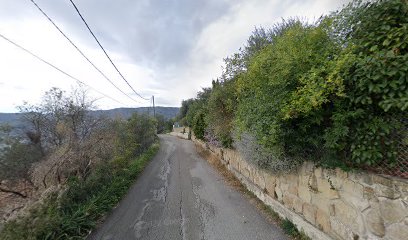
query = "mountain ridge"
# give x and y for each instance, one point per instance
(13, 119)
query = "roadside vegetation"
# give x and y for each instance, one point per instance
(71, 166)
(333, 91)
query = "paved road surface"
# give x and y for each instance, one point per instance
(180, 196)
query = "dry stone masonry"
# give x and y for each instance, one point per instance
(327, 204)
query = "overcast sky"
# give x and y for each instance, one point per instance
(166, 48)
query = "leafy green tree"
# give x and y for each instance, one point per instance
(164, 125)
(221, 106)
(198, 107)
(140, 134)
(185, 105)
(199, 125)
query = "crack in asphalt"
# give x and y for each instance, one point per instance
(158, 194)
(182, 219)
(197, 205)
(165, 172)
(138, 223)
(179, 196)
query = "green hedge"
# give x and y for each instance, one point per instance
(334, 91)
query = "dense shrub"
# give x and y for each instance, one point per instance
(268, 86)
(334, 91)
(221, 109)
(368, 123)
(164, 125)
(199, 125)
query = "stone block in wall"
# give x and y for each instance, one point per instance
(293, 189)
(288, 200)
(353, 188)
(369, 193)
(361, 177)
(392, 211)
(292, 179)
(245, 170)
(278, 191)
(389, 188)
(304, 178)
(230, 155)
(291, 182)
(259, 179)
(321, 202)
(242, 163)
(298, 205)
(309, 212)
(220, 153)
(340, 230)
(323, 221)
(251, 171)
(226, 156)
(401, 186)
(381, 180)
(358, 203)
(270, 183)
(318, 172)
(374, 221)
(216, 151)
(325, 188)
(385, 191)
(304, 193)
(353, 193)
(284, 185)
(345, 213)
(237, 166)
(397, 231)
(234, 162)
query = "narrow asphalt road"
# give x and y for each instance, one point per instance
(180, 196)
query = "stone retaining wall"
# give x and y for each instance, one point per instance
(178, 132)
(327, 204)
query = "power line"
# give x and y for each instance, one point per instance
(106, 54)
(76, 47)
(56, 68)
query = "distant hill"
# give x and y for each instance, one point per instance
(167, 112)
(13, 119)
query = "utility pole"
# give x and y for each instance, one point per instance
(154, 109)
(148, 108)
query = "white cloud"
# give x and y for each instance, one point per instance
(225, 36)
(172, 71)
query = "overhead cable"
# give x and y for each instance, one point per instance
(103, 49)
(57, 68)
(83, 55)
